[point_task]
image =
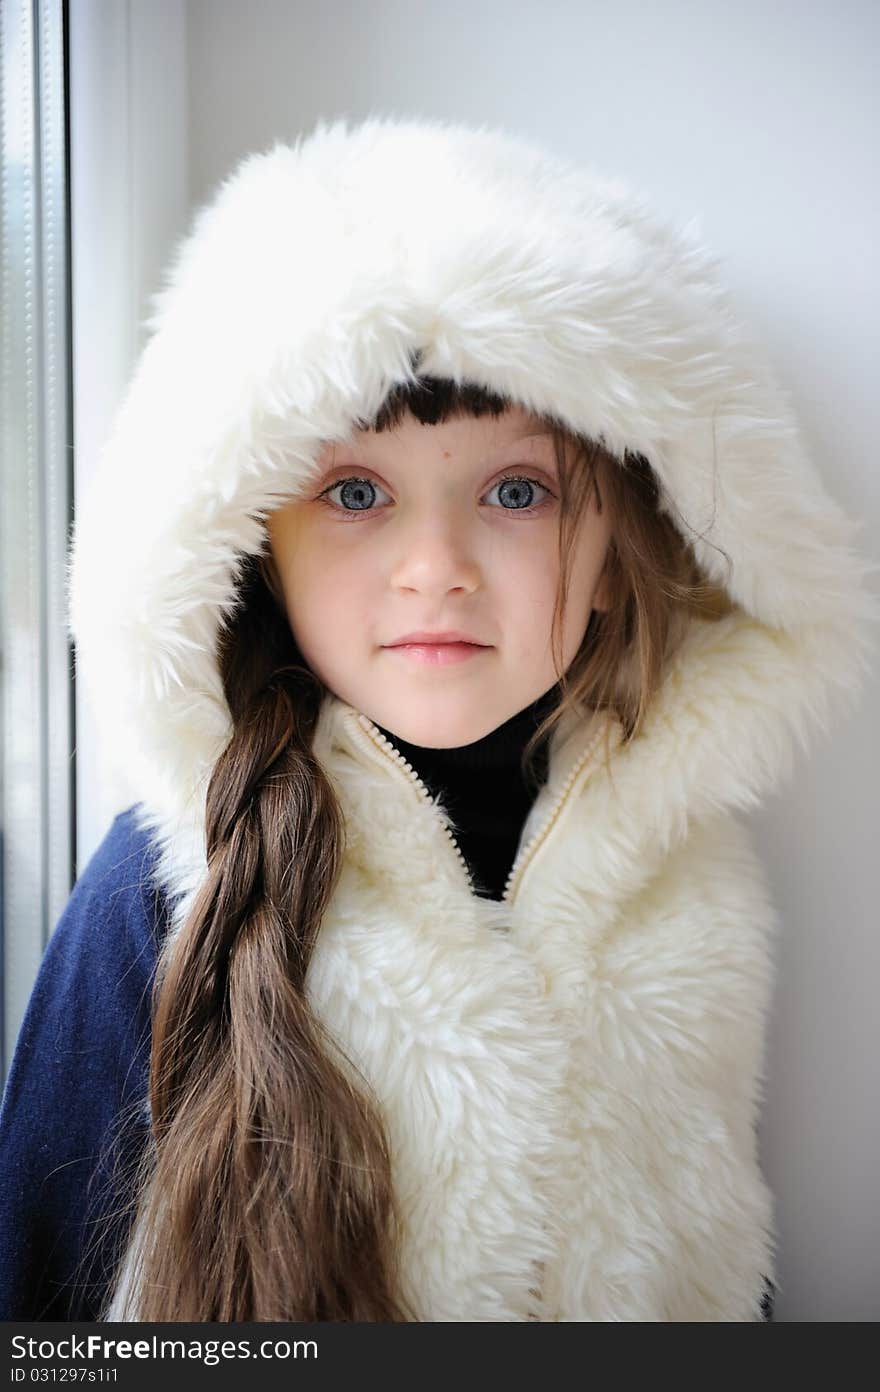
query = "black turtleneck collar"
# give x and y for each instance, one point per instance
(483, 789)
(501, 748)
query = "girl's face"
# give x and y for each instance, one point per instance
(426, 535)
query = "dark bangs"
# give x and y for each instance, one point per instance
(434, 400)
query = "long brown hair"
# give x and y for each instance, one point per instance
(267, 1192)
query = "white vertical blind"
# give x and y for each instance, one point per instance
(36, 697)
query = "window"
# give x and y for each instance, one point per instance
(36, 669)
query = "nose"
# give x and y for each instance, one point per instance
(435, 554)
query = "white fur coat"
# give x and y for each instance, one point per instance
(570, 1078)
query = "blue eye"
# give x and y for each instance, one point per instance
(356, 491)
(520, 492)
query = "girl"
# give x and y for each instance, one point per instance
(454, 577)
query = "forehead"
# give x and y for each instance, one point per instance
(460, 436)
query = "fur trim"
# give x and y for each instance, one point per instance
(294, 305)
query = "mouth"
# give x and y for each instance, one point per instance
(435, 636)
(438, 654)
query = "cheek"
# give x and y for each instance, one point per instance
(588, 564)
(527, 573)
(326, 585)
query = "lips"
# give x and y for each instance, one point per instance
(436, 639)
(434, 654)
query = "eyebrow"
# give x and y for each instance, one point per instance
(532, 435)
(512, 446)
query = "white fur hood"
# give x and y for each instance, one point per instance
(293, 306)
(295, 303)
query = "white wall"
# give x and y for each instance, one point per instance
(129, 199)
(761, 118)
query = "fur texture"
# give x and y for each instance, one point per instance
(570, 1078)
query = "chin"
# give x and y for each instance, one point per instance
(430, 737)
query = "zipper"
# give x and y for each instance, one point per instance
(409, 772)
(526, 853)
